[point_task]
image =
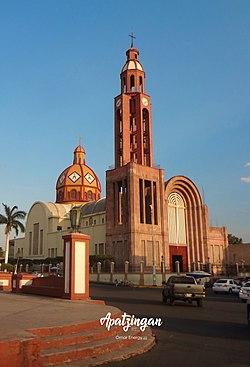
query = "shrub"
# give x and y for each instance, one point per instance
(8, 267)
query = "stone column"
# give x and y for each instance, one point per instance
(76, 266)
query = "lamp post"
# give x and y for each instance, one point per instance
(75, 218)
(153, 248)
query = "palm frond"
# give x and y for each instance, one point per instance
(13, 209)
(3, 219)
(19, 214)
(18, 225)
(11, 219)
(7, 210)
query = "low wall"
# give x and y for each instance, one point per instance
(134, 278)
(51, 286)
(21, 279)
(5, 281)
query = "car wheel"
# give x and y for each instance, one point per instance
(171, 301)
(230, 291)
(200, 302)
(164, 298)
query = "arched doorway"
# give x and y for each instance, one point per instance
(177, 232)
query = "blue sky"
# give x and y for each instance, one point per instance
(59, 72)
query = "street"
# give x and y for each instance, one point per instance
(217, 334)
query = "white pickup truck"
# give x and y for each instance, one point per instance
(183, 288)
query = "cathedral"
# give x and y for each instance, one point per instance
(143, 217)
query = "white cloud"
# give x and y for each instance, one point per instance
(245, 179)
(247, 164)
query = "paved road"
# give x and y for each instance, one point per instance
(216, 335)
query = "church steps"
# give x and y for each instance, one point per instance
(76, 338)
(95, 344)
(116, 355)
(68, 329)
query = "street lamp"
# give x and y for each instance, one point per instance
(75, 218)
(153, 248)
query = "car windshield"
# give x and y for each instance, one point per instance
(183, 280)
(221, 281)
(247, 284)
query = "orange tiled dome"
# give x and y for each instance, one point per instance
(78, 183)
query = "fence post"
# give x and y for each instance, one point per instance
(163, 269)
(193, 266)
(237, 268)
(98, 271)
(126, 270)
(142, 273)
(112, 269)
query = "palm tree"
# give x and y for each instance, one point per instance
(11, 220)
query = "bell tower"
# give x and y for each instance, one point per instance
(133, 125)
(134, 188)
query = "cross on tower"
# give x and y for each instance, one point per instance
(132, 38)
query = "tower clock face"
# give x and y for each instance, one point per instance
(118, 102)
(144, 101)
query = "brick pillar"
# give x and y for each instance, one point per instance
(76, 266)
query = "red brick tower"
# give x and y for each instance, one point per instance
(134, 188)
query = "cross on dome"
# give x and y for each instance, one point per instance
(132, 39)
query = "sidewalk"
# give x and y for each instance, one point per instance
(19, 312)
(38, 331)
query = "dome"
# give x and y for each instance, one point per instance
(78, 183)
(132, 62)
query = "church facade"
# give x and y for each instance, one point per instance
(143, 217)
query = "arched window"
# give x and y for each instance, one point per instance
(141, 84)
(90, 195)
(73, 194)
(124, 85)
(132, 83)
(176, 219)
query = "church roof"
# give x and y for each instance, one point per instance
(94, 207)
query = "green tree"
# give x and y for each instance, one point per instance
(11, 220)
(233, 240)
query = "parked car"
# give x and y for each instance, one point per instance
(183, 288)
(226, 285)
(244, 292)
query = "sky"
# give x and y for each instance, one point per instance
(60, 70)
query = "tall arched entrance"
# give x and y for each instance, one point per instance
(177, 232)
(184, 223)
